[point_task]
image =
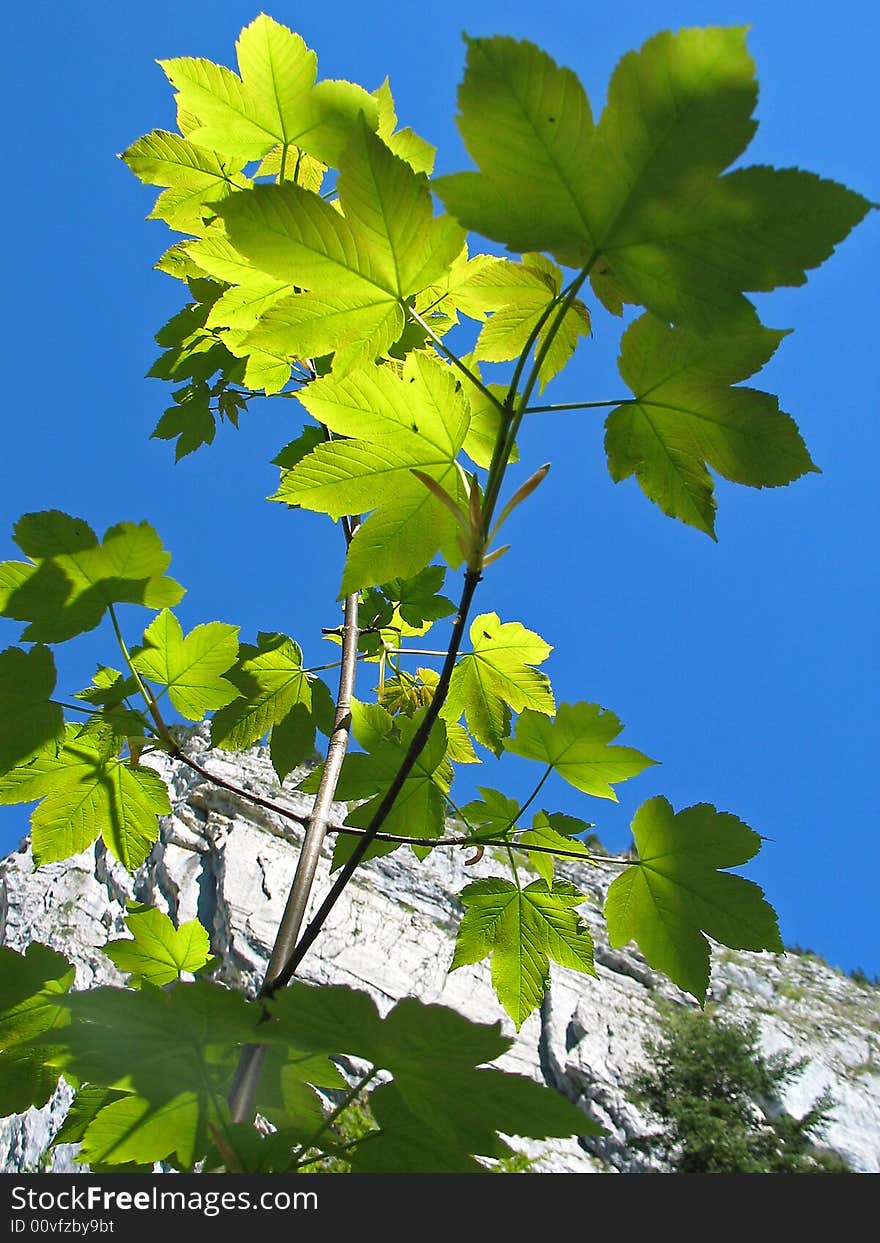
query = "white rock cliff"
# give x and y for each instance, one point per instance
(230, 864)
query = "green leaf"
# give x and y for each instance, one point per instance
(494, 814)
(675, 893)
(29, 721)
(686, 416)
(86, 790)
(83, 1109)
(439, 1111)
(275, 100)
(109, 688)
(394, 423)
(418, 810)
(518, 295)
(292, 740)
(194, 175)
(190, 421)
(541, 834)
(417, 598)
(640, 197)
(564, 825)
(577, 744)
(74, 578)
(157, 952)
(30, 988)
(298, 166)
(190, 667)
(527, 125)
(253, 294)
(522, 930)
(479, 444)
(172, 1050)
(271, 680)
(294, 452)
(404, 143)
(358, 266)
(692, 258)
(497, 676)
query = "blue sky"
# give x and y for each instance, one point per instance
(748, 668)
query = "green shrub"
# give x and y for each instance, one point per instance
(717, 1098)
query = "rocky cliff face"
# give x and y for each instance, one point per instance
(230, 864)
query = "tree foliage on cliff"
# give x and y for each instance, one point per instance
(718, 1098)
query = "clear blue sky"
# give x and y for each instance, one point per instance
(749, 668)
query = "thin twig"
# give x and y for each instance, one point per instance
(579, 405)
(454, 359)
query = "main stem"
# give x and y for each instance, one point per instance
(244, 1087)
(471, 579)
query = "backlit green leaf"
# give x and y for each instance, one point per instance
(675, 893)
(358, 265)
(74, 578)
(640, 197)
(271, 680)
(29, 721)
(686, 416)
(86, 791)
(190, 667)
(527, 124)
(578, 745)
(157, 952)
(194, 176)
(522, 930)
(31, 985)
(394, 423)
(497, 676)
(172, 1050)
(275, 100)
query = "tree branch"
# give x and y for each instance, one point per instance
(471, 579)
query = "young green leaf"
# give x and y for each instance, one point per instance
(418, 599)
(157, 952)
(29, 721)
(190, 667)
(578, 745)
(358, 266)
(73, 578)
(497, 676)
(686, 416)
(87, 791)
(394, 423)
(194, 177)
(493, 815)
(518, 295)
(522, 929)
(271, 681)
(674, 893)
(274, 101)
